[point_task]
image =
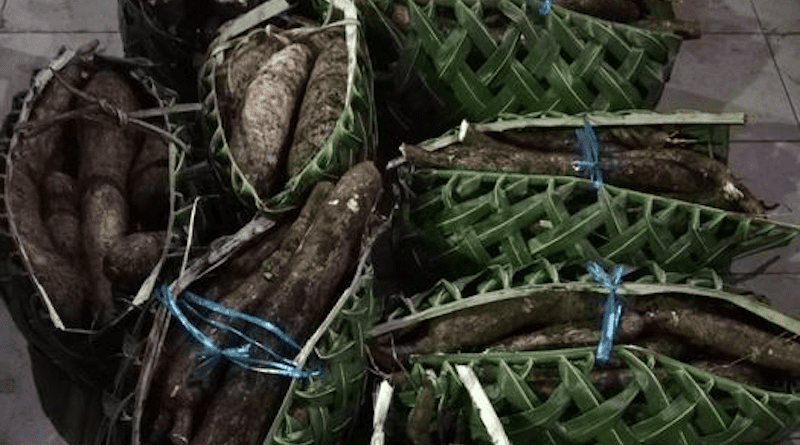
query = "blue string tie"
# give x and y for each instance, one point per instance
(612, 310)
(243, 354)
(544, 6)
(590, 151)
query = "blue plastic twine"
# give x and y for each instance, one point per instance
(612, 311)
(544, 6)
(590, 150)
(241, 355)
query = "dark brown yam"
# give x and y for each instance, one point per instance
(684, 173)
(64, 283)
(239, 69)
(62, 210)
(481, 326)
(105, 222)
(132, 258)
(610, 139)
(243, 406)
(573, 334)
(322, 106)
(106, 148)
(726, 335)
(182, 393)
(259, 146)
(43, 152)
(149, 183)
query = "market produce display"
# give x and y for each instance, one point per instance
(498, 241)
(70, 212)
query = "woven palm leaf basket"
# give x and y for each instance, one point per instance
(353, 136)
(468, 60)
(496, 334)
(74, 341)
(534, 366)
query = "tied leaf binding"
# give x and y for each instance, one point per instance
(243, 354)
(612, 311)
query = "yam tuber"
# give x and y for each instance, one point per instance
(149, 183)
(258, 143)
(322, 105)
(132, 258)
(62, 210)
(247, 401)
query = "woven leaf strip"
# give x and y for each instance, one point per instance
(565, 61)
(679, 407)
(462, 221)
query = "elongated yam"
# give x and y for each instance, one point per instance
(183, 390)
(62, 213)
(148, 183)
(322, 105)
(685, 174)
(242, 407)
(266, 118)
(105, 221)
(238, 70)
(132, 258)
(42, 152)
(107, 149)
(62, 280)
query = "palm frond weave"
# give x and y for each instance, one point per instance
(461, 221)
(352, 140)
(564, 61)
(660, 400)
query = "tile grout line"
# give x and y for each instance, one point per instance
(775, 62)
(45, 31)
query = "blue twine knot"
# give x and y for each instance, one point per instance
(612, 310)
(242, 354)
(544, 6)
(590, 150)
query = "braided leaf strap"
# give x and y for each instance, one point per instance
(562, 61)
(461, 221)
(551, 396)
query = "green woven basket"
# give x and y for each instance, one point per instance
(662, 402)
(660, 399)
(564, 61)
(73, 367)
(330, 403)
(352, 141)
(458, 222)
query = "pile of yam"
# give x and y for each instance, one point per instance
(280, 99)
(89, 196)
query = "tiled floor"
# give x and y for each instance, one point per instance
(747, 60)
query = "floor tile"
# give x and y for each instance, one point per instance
(787, 55)
(720, 16)
(778, 16)
(727, 72)
(60, 15)
(771, 171)
(22, 421)
(780, 289)
(21, 54)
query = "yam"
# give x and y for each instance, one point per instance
(106, 152)
(105, 218)
(259, 145)
(106, 148)
(238, 70)
(62, 210)
(63, 282)
(322, 105)
(132, 258)
(244, 404)
(148, 183)
(183, 390)
(682, 173)
(42, 152)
